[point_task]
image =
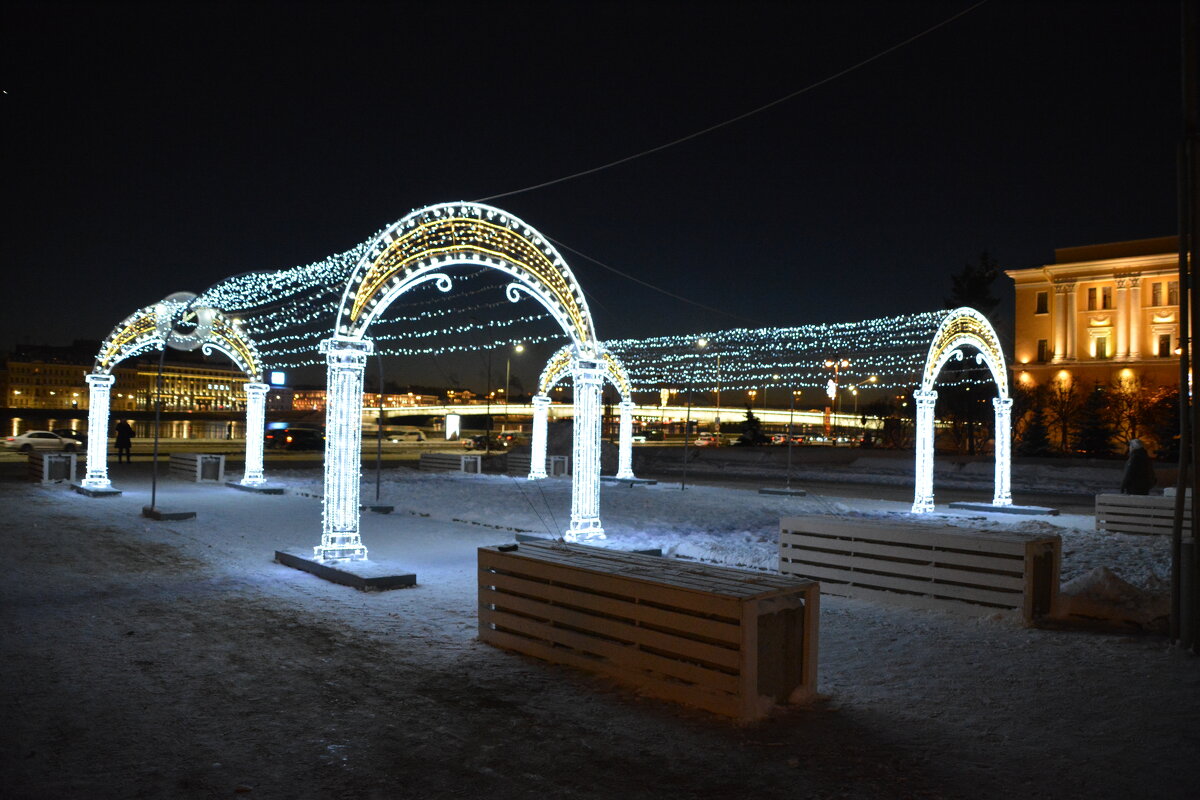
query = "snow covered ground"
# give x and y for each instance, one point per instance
(176, 659)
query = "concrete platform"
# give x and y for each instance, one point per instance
(627, 481)
(262, 488)
(163, 515)
(1027, 510)
(786, 492)
(365, 576)
(92, 491)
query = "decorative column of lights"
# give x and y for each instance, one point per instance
(831, 389)
(588, 376)
(625, 446)
(1002, 495)
(256, 414)
(537, 443)
(347, 360)
(923, 501)
(962, 327)
(99, 400)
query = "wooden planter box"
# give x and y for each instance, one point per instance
(52, 467)
(198, 467)
(1133, 513)
(923, 566)
(726, 640)
(453, 462)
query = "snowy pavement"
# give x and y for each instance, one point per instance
(176, 659)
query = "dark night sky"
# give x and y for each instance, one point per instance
(161, 147)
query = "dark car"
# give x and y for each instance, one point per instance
(479, 442)
(294, 439)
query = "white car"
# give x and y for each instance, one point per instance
(40, 440)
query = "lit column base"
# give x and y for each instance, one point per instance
(585, 530)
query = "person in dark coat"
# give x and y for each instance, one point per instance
(1139, 477)
(124, 441)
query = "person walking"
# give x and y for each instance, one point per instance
(124, 441)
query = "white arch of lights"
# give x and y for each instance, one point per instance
(417, 250)
(156, 327)
(963, 327)
(557, 368)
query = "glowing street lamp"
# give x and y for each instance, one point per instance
(854, 391)
(831, 389)
(703, 344)
(791, 414)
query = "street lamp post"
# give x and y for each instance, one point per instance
(854, 391)
(703, 343)
(791, 414)
(831, 390)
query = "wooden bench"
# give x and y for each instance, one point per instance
(52, 467)
(454, 462)
(1139, 513)
(198, 467)
(923, 566)
(730, 641)
(518, 464)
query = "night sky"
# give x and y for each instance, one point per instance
(159, 147)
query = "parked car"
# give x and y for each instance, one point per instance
(68, 433)
(294, 439)
(40, 440)
(479, 442)
(708, 440)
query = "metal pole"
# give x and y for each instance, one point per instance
(791, 415)
(379, 432)
(1183, 605)
(157, 416)
(687, 426)
(718, 420)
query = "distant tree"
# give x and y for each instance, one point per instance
(972, 286)
(1162, 423)
(751, 429)
(1031, 436)
(1062, 404)
(1094, 430)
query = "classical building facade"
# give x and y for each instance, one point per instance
(1106, 313)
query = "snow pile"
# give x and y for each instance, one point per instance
(1101, 596)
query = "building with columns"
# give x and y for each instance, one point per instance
(1100, 313)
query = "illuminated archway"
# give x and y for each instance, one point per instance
(154, 328)
(414, 251)
(557, 368)
(963, 327)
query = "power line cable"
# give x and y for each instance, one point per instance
(739, 117)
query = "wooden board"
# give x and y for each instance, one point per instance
(1141, 514)
(943, 566)
(730, 641)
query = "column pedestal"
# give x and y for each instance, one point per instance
(537, 444)
(1002, 495)
(256, 412)
(99, 400)
(923, 497)
(625, 442)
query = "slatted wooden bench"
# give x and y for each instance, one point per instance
(455, 462)
(730, 641)
(198, 467)
(1134, 513)
(923, 566)
(52, 467)
(518, 464)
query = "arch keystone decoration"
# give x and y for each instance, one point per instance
(419, 249)
(175, 322)
(962, 327)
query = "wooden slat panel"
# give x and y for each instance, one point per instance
(640, 588)
(620, 653)
(929, 571)
(652, 615)
(618, 629)
(827, 574)
(990, 541)
(696, 696)
(528, 563)
(980, 560)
